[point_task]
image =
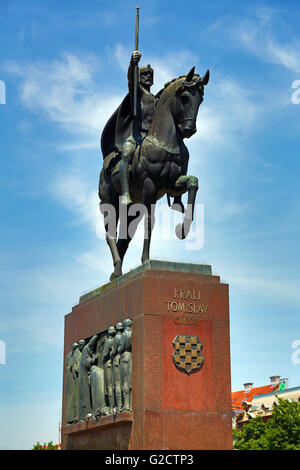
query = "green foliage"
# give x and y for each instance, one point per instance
(252, 437)
(49, 446)
(281, 432)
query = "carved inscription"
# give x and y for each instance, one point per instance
(186, 301)
(191, 321)
(184, 307)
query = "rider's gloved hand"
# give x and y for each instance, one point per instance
(136, 57)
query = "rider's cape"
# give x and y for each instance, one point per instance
(117, 129)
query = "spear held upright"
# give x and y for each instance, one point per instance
(136, 67)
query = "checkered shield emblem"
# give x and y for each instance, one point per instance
(187, 354)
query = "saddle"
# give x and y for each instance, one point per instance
(111, 162)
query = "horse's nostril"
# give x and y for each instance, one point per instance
(189, 132)
(186, 130)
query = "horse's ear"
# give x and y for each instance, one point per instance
(190, 75)
(205, 78)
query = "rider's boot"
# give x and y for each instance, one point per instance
(127, 153)
(124, 177)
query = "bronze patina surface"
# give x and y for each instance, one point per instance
(98, 374)
(145, 157)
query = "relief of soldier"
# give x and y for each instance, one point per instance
(98, 375)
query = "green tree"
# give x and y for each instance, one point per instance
(49, 446)
(281, 432)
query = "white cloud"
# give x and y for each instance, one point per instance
(287, 55)
(256, 35)
(258, 32)
(228, 113)
(280, 290)
(65, 91)
(78, 195)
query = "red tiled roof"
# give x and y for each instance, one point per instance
(238, 398)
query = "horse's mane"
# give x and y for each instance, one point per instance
(195, 82)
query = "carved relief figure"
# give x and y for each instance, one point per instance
(75, 373)
(87, 359)
(97, 382)
(69, 384)
(115, 356)
(98, 375)
(108, 372)
(124, 350)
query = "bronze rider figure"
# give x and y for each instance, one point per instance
(146, 102)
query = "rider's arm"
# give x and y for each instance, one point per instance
(135, 58)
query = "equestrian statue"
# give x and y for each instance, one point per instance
(144, 155)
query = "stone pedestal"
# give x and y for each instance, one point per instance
(181, 387)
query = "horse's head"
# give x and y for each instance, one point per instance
(188, 97)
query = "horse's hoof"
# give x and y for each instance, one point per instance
(117, 273)
(182, 230)
(179, 231)
(114, 276)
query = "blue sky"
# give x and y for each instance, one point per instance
(64, 65)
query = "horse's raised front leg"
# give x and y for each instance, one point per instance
(149, 196)
(190, 184)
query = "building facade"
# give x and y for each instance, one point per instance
(252, 402)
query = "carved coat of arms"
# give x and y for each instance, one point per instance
(187, 354)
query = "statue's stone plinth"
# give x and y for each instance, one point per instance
(181, 387)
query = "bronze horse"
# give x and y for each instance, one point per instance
(158, 168)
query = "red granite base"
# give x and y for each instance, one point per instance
(172, 410)
(110, 433)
